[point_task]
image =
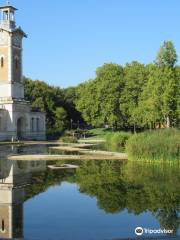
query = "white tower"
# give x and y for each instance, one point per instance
(17, 121)
(11, 85)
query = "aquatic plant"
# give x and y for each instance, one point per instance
(161, 144)
(68, 139)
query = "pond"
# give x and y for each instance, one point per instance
(98, 200)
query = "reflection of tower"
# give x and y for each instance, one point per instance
(11, 212)
(13, 178)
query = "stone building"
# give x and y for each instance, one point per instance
(17, 120)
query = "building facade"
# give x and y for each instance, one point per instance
(17, 120)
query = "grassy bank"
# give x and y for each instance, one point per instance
(99, 133)
(113, 140)
(156, 145)
(161, 144)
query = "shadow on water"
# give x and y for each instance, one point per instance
(22, 149)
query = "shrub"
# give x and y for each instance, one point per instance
(161, 144)
(117, 139)
(69, 139)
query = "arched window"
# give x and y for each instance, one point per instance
(16, 63)
(0, 123)
(2, 62)
(37, 124)
(32, 124)
(2, 226)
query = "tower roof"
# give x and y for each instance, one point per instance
(19, 30)
(8, 6)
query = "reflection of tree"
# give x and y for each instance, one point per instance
(41, 181)
(103, 180)
(168, 218)
(117, 186)
(136, 187)
(22, 164)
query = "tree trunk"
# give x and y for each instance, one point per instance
(115, 125)
(134, 128)
(167, 122)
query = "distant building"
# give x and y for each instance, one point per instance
(17, 120)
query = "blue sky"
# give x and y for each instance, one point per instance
(68, 39)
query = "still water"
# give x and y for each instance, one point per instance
(99, 200)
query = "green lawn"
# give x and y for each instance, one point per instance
(99, 133)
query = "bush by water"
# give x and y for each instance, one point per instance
(117, 139)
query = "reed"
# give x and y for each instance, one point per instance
(117, 139)
(161, 144)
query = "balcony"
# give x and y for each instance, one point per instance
(7, 24)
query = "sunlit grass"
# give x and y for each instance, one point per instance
(161, 144)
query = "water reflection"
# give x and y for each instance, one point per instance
(118, 187)
(6, 150)
(136, 187)
(14, 177)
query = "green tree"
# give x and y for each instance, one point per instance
(135, 79)
(86, 102)
(99, 99)
(73, 115)
(46, 99)
(177, 96)
(166, 55)
(159, 99)
(60, 119)
(134, 96)
(110, 84)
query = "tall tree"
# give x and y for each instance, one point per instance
(177, 96)
(60, 119)
(166, 55)
(110, 84)
(99, 99)
(87, 103)
(135, 79)
(159, 97)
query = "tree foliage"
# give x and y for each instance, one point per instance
(166, 55)
(99, 99)
(134, 96)
(57, 103)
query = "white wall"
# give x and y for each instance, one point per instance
(17, 90)
(5, 90)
